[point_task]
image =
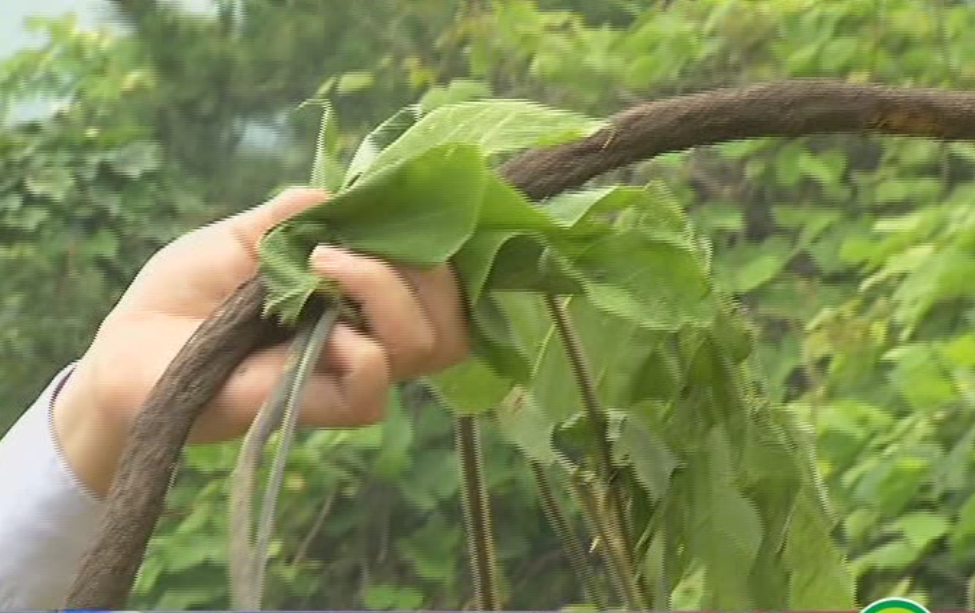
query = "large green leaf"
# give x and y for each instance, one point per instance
(497, 126)
(419, 212)
(651, 458)
(380, 138)
(327, 172)
(726, 531)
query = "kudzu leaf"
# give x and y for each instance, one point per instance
(458, 90)
(648, 209)
(769, 580)
(327, 172)
(569, 208)
(471, 387)
(651, 458)
(530, 321)
(656, 283)
(819, 574)
(495, 341)
(419, 212)
(507, 332)
(380, 138)
(725, 532)
(616, 349)
(506, 208)
(496, 126)
(659, 376)
(525, 263)
(525, 425)
(476, 258)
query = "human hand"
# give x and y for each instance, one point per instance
(415, 318)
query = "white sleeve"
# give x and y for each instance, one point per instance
(47, 516)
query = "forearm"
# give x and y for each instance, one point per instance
(48, 516)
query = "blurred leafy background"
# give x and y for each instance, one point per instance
(855, 255)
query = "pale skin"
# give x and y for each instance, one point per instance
(415, 320)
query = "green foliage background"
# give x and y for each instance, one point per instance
(854, 255)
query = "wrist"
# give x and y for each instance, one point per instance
(87, 436)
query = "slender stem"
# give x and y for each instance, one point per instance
(477, 515)
(597, 418)
(310, 354)
(243, 485)
(614, 551)
(248, 562)
(316, 527)
(571, 546)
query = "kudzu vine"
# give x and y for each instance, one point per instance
(678, 464)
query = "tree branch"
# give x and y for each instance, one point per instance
(788, 108)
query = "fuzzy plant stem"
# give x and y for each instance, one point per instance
(571, 545)
(594, 412)
(620, 569)
(477, 514)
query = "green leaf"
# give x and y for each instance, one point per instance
(496, 126)
(380, 138)
(725, 531)
(352, 82)
(420, 212)
(656, 283)
(527, 426)
(961, 536)
(136, 159)
(327, 172)
(651, 459)
(749, 266)
(719, 216)
(476, 259)
(397, 440)
(471, 387)
(392, 597)
(458, 90)
(890, 556)
(618, 351)
(820, 578)
(51, 183)
(920, 528)
(496, 343)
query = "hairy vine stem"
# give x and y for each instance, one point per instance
(619, 529)
(786, 108)
(571, 545)
(477, 516)
(620, 570)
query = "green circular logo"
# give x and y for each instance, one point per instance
(894, 605)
